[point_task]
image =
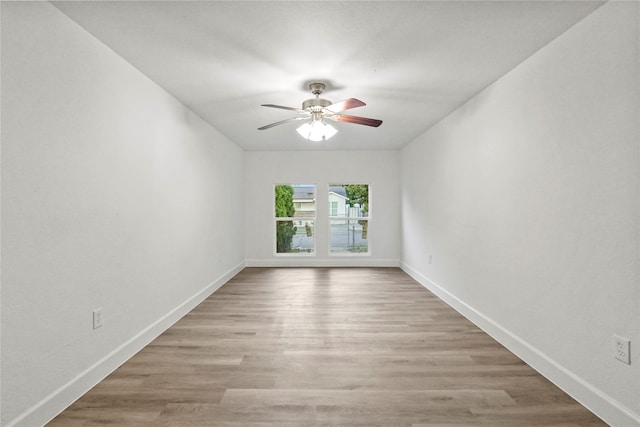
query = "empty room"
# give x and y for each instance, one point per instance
(341, 213)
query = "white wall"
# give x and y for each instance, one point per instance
(379, 169)
(114, 195)
(527, 200)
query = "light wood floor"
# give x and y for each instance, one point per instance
(325, 347)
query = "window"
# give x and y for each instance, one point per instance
(349, 216)
(295, 216)
(333, 211)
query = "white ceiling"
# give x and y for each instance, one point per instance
(411, 62)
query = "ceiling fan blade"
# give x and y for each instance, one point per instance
(345, 105)
(281, 122)
(357, 120)
(282, 107)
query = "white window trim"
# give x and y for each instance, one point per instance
(274, 237)
(362, 218)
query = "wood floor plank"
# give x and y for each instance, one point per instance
(325, 347)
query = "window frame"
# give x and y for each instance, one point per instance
(276, 219)
(368, 218)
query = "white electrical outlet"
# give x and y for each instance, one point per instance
(98, 319)
(621, 347)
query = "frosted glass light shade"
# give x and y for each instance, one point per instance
(316, 130)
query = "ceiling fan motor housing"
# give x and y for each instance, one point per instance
(319, 103)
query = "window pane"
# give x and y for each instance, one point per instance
(294, 237)
(349, 236)
(334, 209)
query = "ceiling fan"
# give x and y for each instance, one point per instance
(316, 111)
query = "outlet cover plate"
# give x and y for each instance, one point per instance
(98, 320)
(621, 349)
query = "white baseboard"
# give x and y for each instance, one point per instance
(600, 403)
(45, 410)
(302, 261)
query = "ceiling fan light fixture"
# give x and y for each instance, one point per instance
(317, 130)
